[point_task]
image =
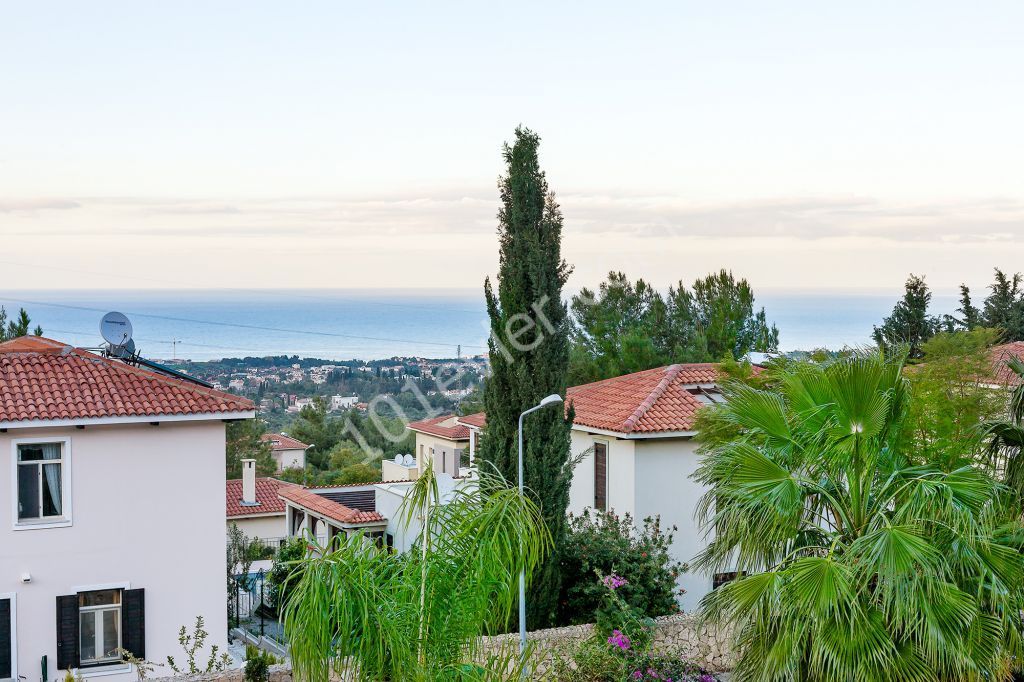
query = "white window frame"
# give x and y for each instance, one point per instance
(65, 485)
(118, 667)
(14, 636)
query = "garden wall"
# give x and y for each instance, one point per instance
(682, 633)
(708, 647)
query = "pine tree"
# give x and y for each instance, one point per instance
(529, 353)
(970, 316)
(909, 324)
(1004, 307)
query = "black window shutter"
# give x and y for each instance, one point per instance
(67, 632)
(5, 639)
(133, 622)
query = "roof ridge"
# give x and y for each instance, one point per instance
(671, 372)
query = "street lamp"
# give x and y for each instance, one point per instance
(552, 399)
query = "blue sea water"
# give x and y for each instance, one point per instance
(373, 324)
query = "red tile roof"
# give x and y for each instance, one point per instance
(1000, 354)
(643, 402)
(266, 495)
(42, 379)
(444, 426)
(477, 420)
(652, 401)
(328, 508)
(279, 441)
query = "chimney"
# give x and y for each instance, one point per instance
(249, 483)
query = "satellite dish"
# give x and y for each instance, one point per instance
(116, 329)
(398, 460)
(408, 460)
(124, 351)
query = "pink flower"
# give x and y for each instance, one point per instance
(619, 640)
(613, 582)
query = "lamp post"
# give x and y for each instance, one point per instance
(552, 399)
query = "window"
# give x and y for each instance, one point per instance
(40, 477)
(8, 649)
(99, 627)
(601, 476)
(94, 623)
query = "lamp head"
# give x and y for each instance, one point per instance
(551, 400)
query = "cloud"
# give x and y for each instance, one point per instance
(473, 213)
(35, 205)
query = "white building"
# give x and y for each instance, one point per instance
(343, 402)
(635, 433)
(112, 537)
(288, 453)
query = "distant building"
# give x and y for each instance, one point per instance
(288, 453)
(343, 402)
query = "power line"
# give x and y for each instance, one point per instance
(249, 326)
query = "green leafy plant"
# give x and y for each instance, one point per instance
(367, 614)
(606, 544)
(192, 643)
(284, 572)
(257, 664)
(859, 559)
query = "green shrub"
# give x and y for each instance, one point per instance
(257, 664)
(286, 560)
(605, 544)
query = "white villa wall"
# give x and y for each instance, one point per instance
(664, 488)
(259, 527)
(148, 509)
(289, 459)
(620, 472)
(648, 477)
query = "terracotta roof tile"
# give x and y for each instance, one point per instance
(266, 495)
(477, 420)
(652, 401)
(999, 355)
(328, 508)
(42, 379)
(279, 441)
(445, 426)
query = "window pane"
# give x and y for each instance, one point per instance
(52, 502)
(30, 453)
(99, 598)
(87, 629)
(28, 491)
(111, 633)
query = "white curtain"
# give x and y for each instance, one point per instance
(53, 474)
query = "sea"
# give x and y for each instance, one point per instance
(376, 324)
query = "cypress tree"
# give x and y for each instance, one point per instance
(529, 354)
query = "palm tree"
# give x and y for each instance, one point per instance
(1006, 437)
(855, 563)
(369, 614)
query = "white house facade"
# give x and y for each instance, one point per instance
(288, 453)
(112, 537)
(635, 434)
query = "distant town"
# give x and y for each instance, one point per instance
(282, 385)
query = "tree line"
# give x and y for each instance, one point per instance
(911, 325)
(628, 326)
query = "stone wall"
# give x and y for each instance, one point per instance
(681, 633)
(708, 647)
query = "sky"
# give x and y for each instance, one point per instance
(807, 146)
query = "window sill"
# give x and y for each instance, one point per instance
(108, 669)
(33, 525)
